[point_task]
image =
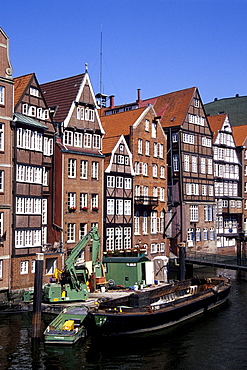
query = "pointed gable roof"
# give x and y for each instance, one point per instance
(172, 107)
(216, 122)
(119, 123)
(62, 93)
(20, 85)
(240, 134)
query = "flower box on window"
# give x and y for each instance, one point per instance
(84, 209)
(72, 209)
(95, 209)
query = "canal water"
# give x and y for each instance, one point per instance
(217, 340)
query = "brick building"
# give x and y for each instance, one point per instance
(147, 142)
(32, 217)
(118, 197)
(79, 170)
(189, 217)
(6, 111)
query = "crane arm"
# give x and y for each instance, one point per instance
(76, 251)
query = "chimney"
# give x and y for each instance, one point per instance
(138, 96)
(112, 103)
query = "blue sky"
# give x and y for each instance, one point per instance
(158, 46)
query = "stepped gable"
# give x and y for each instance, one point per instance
(239, 134)
(61, 94)
(216, 123)
(172, 107)
(20, 85)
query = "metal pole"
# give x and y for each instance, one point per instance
(181, 247)
(37, 299)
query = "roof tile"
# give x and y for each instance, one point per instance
(62, 93)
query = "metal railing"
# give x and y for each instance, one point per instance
(224, 261)
(145, 200)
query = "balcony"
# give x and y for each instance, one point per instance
(146, 201)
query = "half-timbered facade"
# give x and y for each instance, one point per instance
(227, 176)
(118, 196)
(78, 157)
(190, 212)
(240, 138)
(33, 142)
(147, 142)
(6, 111)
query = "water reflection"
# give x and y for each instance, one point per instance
(216, 340)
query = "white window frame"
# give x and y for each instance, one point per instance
(95, 170)
(83, 169)
(119, 207)
(71, 232)
(87, 140)
(110, 239)
(128, 183)
(155, 169)
(72, 200)
(194, 164)
(78, 139)
(193, 213)
(147, 148)
(1, 181)
(127, 207)
(82, 230)
(72, 168)
(1, 136)
(2, 95)
(94, 200)
(96, 141)
(83, 200)
(139, 146)
(110, 181)
(68, 138)
(23, 267)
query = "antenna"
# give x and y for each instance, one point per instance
(100, 88)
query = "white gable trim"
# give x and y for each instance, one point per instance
(121, 140)
(85, 80)
(138, 121)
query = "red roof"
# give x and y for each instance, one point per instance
(239, 134)
(119, 123)
(216, 123)
(62, 93)
(20, 84)
(108, 143)
(171, 107)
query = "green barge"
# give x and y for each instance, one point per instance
(68, 327)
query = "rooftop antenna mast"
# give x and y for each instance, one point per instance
(100, 88)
